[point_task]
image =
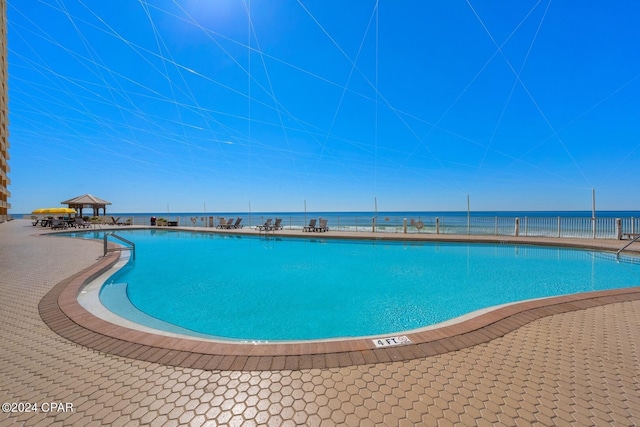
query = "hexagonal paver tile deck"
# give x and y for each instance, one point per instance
(576, 367)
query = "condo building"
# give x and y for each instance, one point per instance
(4, 117)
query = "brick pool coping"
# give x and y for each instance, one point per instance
(62, 312)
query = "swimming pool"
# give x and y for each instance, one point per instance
(252, 288)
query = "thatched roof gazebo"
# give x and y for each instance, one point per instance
(88, 201)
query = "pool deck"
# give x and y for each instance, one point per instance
(573, 360)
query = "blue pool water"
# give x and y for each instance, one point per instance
(253, 288)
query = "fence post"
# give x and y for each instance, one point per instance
(373, 224)
(404, 225)
(558, 226)
(517, 232)
(437, 225)
(618, 228)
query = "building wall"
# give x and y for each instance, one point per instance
(4, 117)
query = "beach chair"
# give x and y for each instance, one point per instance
(229, 224)
(311, 226)
(322, 227)
(237, 225)
(266, 226)
(222, 223)
(277, 225)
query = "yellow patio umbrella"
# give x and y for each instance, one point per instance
(53, 211)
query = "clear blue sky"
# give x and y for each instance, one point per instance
(523, 105)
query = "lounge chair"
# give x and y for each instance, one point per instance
(277, 225)
(58, 223)
(322, 227)
(222, 223)
(266, 226)
(79, 222)
(229, 224)
(311, 226)
(237, 225)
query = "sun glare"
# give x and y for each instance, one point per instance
(216, 14)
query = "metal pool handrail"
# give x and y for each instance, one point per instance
(627, 245)
(123, 248)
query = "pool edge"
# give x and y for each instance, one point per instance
(61, 311)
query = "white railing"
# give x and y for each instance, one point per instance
(538, 226)
(559, 227)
